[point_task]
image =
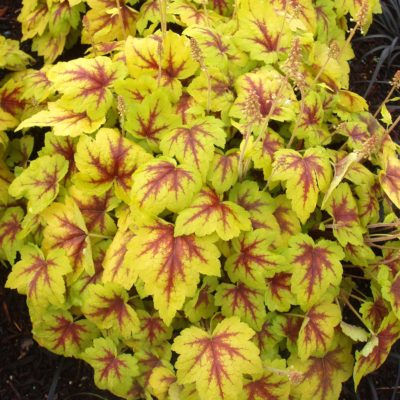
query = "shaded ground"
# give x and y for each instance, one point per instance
(29, 372)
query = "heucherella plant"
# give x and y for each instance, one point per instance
(191, 206)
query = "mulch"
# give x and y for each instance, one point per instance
(30, 372)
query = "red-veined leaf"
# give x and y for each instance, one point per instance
(317, 330)
(40, 276)
(252, 259)
(162, 184)
(268, 386)
(278, 294)
(223, 172)
(216, 362)
(208, 214)
(107, 306)
(113, 370)
(10, 227)
(389, 178)
(108, 159)
(316, 266)
(170, 265)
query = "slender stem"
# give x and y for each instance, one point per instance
(204, 4)
(355, 312)
(292, 136)
(356, 277)
(393, 125)
(388, 96)
(290, 314)
(243, 151)
(382, 238)
(96, 235)
(209, 88)
(383, 225)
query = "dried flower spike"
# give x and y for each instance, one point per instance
(395, 82)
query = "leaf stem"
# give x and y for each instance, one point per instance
(388, 96)
(121, 20)
(356, 313)
(96, 235)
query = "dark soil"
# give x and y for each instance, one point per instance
(30, 372)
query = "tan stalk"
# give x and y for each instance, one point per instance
(162, 5)
(395, 82)
(355, 312)
(197, 55)
(397, 120)
(121, 113)
(204, 4)
(121, 19)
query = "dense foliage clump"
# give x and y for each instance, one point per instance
(205, 199)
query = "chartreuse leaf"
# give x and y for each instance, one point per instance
(389, 178)
(107, 306)
(85, 84)
(223, 172)
(10, 227)
(321, 377)
(316, 266)
(108, 20)
(305, 176)
(202, 304)
(40, 276)
(252, 259)
(169, 265)
(113, 370)
(162, 184)
(259, 204)
(216, 362)
(39, 183)
(66, 230)
(354, 332)
(108, 159)
(317, 330)
(142, 58)
(342, 206)
(208, 214)
(278, 294)
(65, 122)
(194, 143)
(374, 312)
(260, 34)
(372, 356)
(151, 118)
(58, 332)
(243, 302)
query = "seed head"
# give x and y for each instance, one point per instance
(251, 107)
(334, 50)
(292, 65)
(362, 14)
(121, 106)
(396, 80)
(197, 54)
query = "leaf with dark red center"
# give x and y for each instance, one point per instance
(268, 338)
(359, 255)
(11, 102)
(317, 266)
(58, 332)
(288, 327)
(261, 35)
(65, 122)
(278, 294)
(107, 306)
(321, 377)
(115, 267)
(66, 230)
(263, 152)
(216, 362)
(368, 202)
(85, 84)
(162, 184)
(374, 312)
(243, 302)
(38, 85)
(223, 172)
(317, 330)
(170, 266)
(39, 276)
(259, 204)
(113, 370)
(266, 85)
(357, 133)
(39, 183)
(346, 223)
(202, 305)
(7, 121)
(375, 352)
(151, 118)
(142, 58)
(108, 20)
(389, 178)
(189, 14)
(10, 227)
(195, 143)
(268, 386)
(95, 210)
(252, 259)
(108, 159)
(208, 214)
(305, 176)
